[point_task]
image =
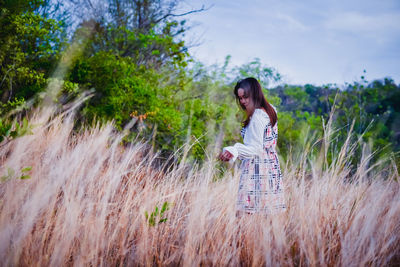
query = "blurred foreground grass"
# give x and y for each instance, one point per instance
(86, 199)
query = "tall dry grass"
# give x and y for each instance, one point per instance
(86, 199)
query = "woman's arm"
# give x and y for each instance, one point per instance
(253, 142)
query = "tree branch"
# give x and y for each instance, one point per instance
(183, 14)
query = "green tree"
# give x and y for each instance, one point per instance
(148, 31)
(125, 91)
(29, 47)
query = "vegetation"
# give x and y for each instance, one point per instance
(136, 66)
(86, 204)
(104, 118)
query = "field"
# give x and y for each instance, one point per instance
(82, 199)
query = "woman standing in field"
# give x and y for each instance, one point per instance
(260, 185)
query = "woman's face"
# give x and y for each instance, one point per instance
(245, 100)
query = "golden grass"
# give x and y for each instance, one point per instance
(84, 205)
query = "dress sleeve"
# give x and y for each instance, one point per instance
(253, 142)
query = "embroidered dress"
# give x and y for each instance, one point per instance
(260, 185)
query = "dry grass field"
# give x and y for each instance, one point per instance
(85, 200)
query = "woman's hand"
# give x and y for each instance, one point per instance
(225, 156)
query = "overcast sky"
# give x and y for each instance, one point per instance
(307, 41)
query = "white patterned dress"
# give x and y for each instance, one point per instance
(260, 185)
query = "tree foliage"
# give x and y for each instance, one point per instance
(29, 48)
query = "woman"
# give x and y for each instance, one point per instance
(260, 185)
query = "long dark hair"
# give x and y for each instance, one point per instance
(253, 89)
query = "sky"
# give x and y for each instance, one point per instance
(308, 41)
